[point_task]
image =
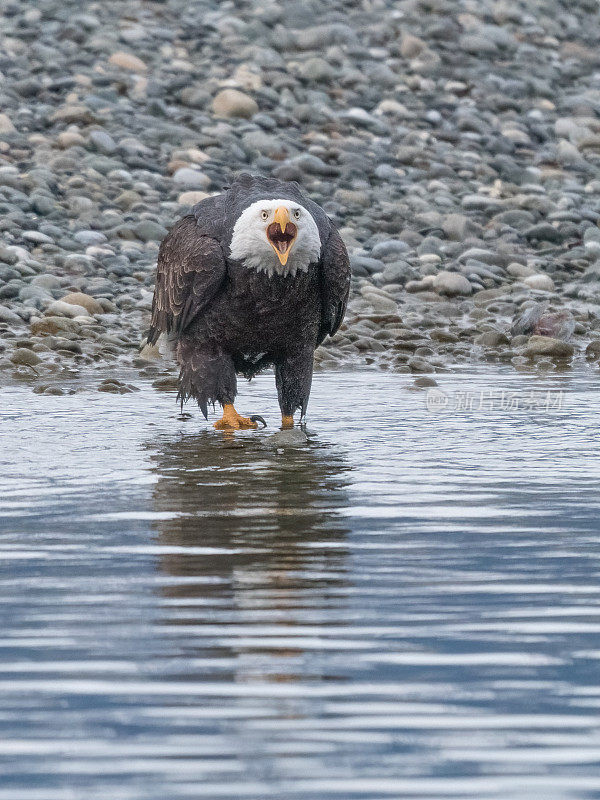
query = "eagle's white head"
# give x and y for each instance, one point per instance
(276, 236)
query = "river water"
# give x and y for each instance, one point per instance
(407, 607)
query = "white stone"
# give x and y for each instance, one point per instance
(233, 103)
(540, 281)
(191, 178)
(451, 284)
(6, 125)
(61, 309)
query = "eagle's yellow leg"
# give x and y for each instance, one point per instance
(286, 422)
(232, 420)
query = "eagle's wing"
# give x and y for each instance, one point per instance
(335, 284)
(191, 269)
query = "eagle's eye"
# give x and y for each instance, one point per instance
(264, 214)
(297, 213)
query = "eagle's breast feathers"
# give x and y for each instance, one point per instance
(197, 258)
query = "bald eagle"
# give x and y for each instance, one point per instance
(254, 277)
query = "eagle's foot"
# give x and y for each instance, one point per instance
(287, 422)
(231, 420)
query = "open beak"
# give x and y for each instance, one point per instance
(281, 234)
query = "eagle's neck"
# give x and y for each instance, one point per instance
(268, 263)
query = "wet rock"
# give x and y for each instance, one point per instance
(294, 437)
(548, 346)
(539, 320)
(527, 319)
(44, 388)
(114, 386)
(51, 325)
(169, 384)
(424, 382)
(492, 339)
(420, 365)
(559, 325)
(23, 356)
(592, 351)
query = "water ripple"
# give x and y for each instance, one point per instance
(409, 607)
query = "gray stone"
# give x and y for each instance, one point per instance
(8, 255)
(539, 281)
(592, 351)
(103, 142)
(191, 178)
(519, 270)
(492, 339)
(363, 265)
(8, 316)
(317, 69)
(397, 272)
(37, 237)
(149, 231)
(458, 227)
(451, 284)
(544, 232)
(548, 346)
(87, 238)
(233, 103)
(25, 357)
(6, 125)
(62, 309)
(294, 437)
(389, 247)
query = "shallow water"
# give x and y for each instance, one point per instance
(408, 607)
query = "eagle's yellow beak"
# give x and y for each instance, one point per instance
(282, 216)
(281, 234)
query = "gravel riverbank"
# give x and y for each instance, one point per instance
(455, 143)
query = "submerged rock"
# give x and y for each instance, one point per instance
(294, 437)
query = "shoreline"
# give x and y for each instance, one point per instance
(457, 152)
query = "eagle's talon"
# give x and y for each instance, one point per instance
(258, 418)
(231, 420)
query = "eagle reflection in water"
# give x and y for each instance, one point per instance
(266, 551)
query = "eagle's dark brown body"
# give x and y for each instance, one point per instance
(227, 318)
